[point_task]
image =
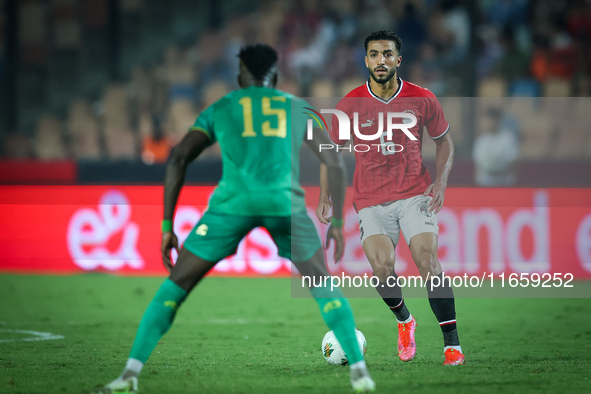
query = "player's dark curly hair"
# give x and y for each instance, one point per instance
(258, 59)
(384, 35)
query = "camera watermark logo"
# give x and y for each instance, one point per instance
(316, 116)
(384, 133)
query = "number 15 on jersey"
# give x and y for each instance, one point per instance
(267, 111)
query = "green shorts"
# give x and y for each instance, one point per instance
(217, 235)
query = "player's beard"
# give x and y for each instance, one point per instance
(383, 79)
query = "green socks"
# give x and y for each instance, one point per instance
(336, 312)
(334, 307)
(157, 319)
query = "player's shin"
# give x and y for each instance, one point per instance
(338, 315)
(441, 299)
(155, 323)
(391, 293)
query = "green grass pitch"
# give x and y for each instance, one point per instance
(249, 336)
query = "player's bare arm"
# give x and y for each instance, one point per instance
(324, 204)
(335, 182)
(444, 158)
(191, 146)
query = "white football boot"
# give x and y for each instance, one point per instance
(120, 385)
(361, 381)
(363, 385)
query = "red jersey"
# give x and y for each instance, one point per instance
(389, 170)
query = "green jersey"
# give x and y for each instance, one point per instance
(260, 132)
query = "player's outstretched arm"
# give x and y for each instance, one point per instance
(191, 146)
(336, 182)
(444, 158)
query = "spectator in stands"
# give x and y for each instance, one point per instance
(156, 147)
(310, 51)
(451, 28)
(514, 62)
(579, 20)
(303, 17)
(412, 32)
(491, 51)
(496, 149)
(563, 51)
(428, 70)
(376, 15)
(210, 54)
(554, 56)
(506, 12)
(540, 62)
(346, 67)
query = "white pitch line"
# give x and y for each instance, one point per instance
(37, 335)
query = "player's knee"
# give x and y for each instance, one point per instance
(383, 268)
(381, 274)
(427, 263)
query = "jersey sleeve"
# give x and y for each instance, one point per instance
(204, 123)
(436, 123)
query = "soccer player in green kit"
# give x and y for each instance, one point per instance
(260, 135)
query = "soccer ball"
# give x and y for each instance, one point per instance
(333, 352)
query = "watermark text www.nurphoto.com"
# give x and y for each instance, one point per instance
(473, 281)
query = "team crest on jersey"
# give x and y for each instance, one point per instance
(328, 349)
(425, 211)
(408, 120)
(202, 230)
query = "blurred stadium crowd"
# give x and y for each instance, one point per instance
(91, 89)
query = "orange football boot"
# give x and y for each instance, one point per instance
(453, 357)
(407, 347)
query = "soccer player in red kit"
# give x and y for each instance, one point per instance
(392, 188)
